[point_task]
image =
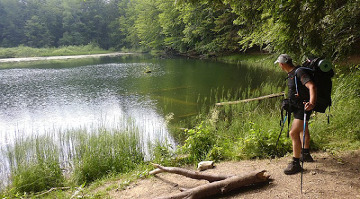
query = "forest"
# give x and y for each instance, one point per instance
(192, 27)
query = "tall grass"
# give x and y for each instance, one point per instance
(240, 131)
(250, 130)
(343, 131)
(103, 153)
(34, 164)
(24, 51)
(74, 157)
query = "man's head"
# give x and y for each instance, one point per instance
(284, 59)
(285, 62)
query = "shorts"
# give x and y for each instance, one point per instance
(299, 114)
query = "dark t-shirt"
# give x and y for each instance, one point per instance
(301, 94)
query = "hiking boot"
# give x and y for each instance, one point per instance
(293, 168)
(307, 158)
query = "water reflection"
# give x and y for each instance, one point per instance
(43, 99)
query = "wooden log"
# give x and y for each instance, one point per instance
(222, 186)
(188, 173)
(252, 99)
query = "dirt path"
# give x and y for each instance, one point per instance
(23, 59)
(329, 176)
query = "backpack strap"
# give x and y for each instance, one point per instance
(296, 84)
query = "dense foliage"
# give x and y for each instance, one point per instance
(330, 28)
(52, 23)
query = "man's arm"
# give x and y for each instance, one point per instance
(313, 95)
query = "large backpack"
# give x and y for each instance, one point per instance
(321, 71)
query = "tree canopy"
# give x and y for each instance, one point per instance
(328, 28)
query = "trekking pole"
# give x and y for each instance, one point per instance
(302, 151)
(282, 127)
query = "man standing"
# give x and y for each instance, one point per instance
(302, 95)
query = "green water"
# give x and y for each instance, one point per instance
(37, 97)
(142, 94)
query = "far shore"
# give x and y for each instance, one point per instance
(25, 59)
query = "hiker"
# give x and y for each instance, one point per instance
(304, 99)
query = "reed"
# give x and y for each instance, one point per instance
(34, 164)
(104, 152)
(73, 157)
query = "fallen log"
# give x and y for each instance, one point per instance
(221, 186)
(252, 99)
(188, 173)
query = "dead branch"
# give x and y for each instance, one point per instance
(252, 99)
(188, 173)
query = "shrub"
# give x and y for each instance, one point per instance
(200, 140)
(260, 143)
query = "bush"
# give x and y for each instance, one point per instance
(258, 143)
(200, 140)
(162, 154)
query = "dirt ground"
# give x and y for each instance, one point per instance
(330, 176)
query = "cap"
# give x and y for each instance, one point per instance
(283, 58)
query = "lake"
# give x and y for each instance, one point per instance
(58, 96)
(49, 96)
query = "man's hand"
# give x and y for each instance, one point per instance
(309, 106)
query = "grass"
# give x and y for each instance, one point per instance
(240, 131)
(342, 133)
(250, 130)
(72, 159)
(24, 51)
(35, 164)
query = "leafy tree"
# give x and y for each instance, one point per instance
(147, 24)
(73, 27)
(171, 25)
(329, 28)
(12, 22)
(341, 28)
(37, 33)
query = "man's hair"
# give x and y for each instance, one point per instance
(284, 58)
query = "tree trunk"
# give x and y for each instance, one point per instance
(188, 173)
(220, 184)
